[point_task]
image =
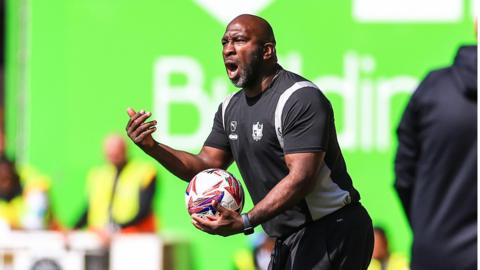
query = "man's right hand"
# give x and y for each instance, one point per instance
(140, 131)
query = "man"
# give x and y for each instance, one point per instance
(120, 193)
(436, 166)
(382, 259)
(24, 203)
(279, 130)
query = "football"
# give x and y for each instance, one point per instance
(213, 185)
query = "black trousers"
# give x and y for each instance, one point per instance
(341, 240)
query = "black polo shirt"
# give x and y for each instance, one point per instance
(291, 116)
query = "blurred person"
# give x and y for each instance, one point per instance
(436, 166)
(256, 257)
(279, 129)
(120, 193)
(382, 259)
(2, 142)
(24, 203)
(243, 259)
(262, 252)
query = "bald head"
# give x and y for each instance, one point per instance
(115, 150)
(249, 52)
(257, 26)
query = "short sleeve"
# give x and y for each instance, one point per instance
(217, 137)
(306, 120)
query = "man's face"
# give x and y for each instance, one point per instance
(380, 247)
(7, 178)
(115, 151)
(242, 54)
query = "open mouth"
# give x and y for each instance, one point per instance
(232, 69)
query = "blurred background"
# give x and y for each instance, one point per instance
(73, 67)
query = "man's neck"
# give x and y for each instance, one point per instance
(120, 166)
(263, 83)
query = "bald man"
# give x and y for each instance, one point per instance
(115, 150)
(120, 193)
(279, 129)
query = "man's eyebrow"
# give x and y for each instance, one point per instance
(239, 35)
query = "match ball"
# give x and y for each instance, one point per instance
(213, 185)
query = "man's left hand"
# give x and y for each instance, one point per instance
(225, 223)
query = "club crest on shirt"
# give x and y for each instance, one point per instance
(233, 128)
(257, 131)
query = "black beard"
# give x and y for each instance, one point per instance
(249, 75)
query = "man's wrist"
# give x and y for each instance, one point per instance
(247, 225)
(150, 149)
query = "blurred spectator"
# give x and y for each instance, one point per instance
(243, 260)
(436, 166)
(263, 251)
(2, 141)
(258, 258)
(382, 259)
(120, 193)
(23, 198)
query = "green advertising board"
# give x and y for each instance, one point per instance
(73, 67)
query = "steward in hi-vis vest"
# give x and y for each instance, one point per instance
(120, 193)
(23, 197)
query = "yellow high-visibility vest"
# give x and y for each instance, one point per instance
(395, 262)
(243, 260)
(12, 211)
(134, 177)
(28, 210)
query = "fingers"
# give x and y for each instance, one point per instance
(215, 203)
(205, 221)
(144, 134)
(196, 224)
(130, 112)
(220, 225)
(211, 218)
(220, 209)
(202, 224)
(137, 120)
(136, 126)
(142, 128)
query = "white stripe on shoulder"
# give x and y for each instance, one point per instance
(281, 103)
(224, 107)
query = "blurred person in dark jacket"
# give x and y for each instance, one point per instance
(436, 166)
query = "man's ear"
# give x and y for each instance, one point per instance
(268, 51)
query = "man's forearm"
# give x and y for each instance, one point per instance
(182, 164)
(288, 192)
(303, 169)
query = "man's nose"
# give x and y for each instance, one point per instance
(228, 49)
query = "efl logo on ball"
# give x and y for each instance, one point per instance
(213, 185)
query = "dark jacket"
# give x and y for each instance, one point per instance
(436, 166)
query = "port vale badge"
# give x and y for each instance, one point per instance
(257, 131)
(233, 128)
